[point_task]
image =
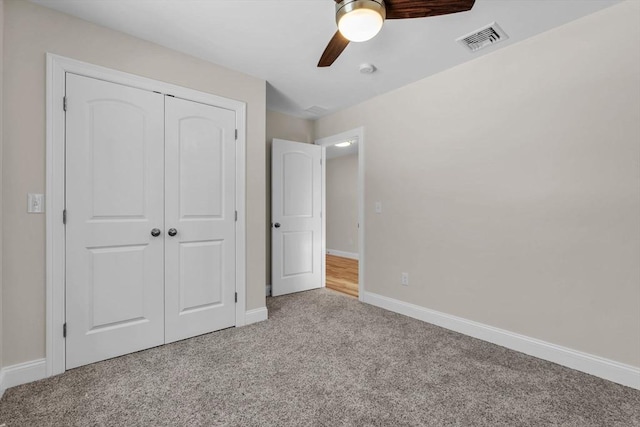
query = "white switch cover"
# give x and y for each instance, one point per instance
(35, 203)
(378, 207)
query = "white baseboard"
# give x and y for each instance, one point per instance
(256, 315)
(343, 254)
(268, 290)
(22, 373)
(598, 366)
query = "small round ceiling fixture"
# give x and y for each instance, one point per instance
(346, 143)
(360, 20)
(367, 68)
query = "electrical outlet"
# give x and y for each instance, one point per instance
(378, 207)
(404, 279)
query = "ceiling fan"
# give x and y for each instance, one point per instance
(361, 20)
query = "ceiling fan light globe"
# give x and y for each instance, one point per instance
(360, 20)
(360, 25)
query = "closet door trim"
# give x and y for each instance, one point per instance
(57, 67)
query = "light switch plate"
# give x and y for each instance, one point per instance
(35, 203)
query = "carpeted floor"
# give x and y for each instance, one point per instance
(323, 359)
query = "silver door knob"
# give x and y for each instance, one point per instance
(276, 225)
(172, 232)
(155, 232)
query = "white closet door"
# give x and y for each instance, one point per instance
(296, 204)
(114, 198)
(200, 207)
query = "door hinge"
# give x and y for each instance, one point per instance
(236, 216)
(236, 297)
(64, 216)
(236, 134)
(64, 103)
(64, 330)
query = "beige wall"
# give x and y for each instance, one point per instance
(281, 126)
(511, 187)
(31, 31)
(1, 106)
(342, 203)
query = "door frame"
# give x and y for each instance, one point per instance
(358, 134)
(57, 67)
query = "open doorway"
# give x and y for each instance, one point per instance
(342, 207)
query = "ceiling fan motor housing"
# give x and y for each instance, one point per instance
(346, 6)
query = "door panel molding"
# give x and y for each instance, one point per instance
(57, 67)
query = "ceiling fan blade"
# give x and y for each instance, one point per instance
(333, 50)
(403, 9)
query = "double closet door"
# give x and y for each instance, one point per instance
(150, 219)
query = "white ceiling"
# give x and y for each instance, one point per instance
(281, 40)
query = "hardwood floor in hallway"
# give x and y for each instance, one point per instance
(342, 275)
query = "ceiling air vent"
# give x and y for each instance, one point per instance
(316, 111)
(485, 36)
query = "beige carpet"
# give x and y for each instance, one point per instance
(323, 359)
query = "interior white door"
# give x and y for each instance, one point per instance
(296, 205)
(200, 208)
(114, 198)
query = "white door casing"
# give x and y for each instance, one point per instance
(115, 180)
(200, 206)
(296, 231)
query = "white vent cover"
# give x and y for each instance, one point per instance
(315, 110)
(485, 36)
